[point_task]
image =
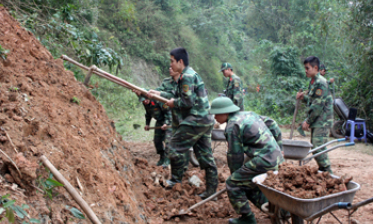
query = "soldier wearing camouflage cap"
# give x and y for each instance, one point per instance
(162, 114)
(320, 110)
(234, 86)
(246, 133)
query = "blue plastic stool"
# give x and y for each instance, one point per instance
(351, 124)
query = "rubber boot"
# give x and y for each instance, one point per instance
(161, 160)
(211, 183)
(166, 162)
(176, 177)
(244, 219)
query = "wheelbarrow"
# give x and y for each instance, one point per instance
(306, 209)
(299, 150)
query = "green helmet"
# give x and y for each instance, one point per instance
(225, 65)
(223, 105)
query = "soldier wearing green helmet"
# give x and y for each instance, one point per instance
(246, 133)
(234, 86)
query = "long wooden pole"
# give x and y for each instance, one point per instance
(113, 78)
(295, 115)
(91, 215)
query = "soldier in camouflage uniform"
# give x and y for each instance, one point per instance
(191, 122)
(246, 133)
(320, 112)
(274, 128)
(162, 114)
(234, 86)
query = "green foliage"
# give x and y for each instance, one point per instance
(75, 100)
(3, 53)
(48, 185)
(13, 89)
(264, 40)
(10, 209)
(75, 212)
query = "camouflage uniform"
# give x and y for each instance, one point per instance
(162, 114)
(234, 91)
(246, 133)
(274, 128)
(192, 125)
(319, 117)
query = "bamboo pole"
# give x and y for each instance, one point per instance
(112, 78)
(88, 211)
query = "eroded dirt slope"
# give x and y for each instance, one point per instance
(40, 118)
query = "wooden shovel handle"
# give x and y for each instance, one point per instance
(295, 115)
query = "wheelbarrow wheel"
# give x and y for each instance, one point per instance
(338, 130)
(193, 159)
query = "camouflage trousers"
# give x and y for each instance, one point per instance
(241, 190)
(319, 136)
(185, 137)
(161, 136)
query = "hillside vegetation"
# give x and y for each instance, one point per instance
(265, 41)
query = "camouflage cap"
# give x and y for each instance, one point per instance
(223, 105)
(225, 65)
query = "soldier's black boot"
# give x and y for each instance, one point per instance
(244, 219)
(211, 183)
(161, 159)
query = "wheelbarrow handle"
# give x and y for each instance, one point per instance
(328, 143)
(327, 150)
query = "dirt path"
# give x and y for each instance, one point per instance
(350, 161)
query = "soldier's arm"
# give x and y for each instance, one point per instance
(317, 104)
(148, 117)
(187, 97)
(167, 114)
(235, 154)
(237, 93)
(166, 90)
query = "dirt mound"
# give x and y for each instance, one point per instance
(305, 181)
(38, 116)
(164, 203)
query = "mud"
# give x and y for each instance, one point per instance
(38, 118)
(305, 181)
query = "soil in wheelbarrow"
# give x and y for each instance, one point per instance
(305, 181)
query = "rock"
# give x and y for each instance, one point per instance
(9, 178)
(354, 221)
(17, 118)
(194, 180)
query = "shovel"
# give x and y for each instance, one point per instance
(186, 212)
(295, 115)
(136, 126)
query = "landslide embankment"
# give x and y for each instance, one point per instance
(45, 111)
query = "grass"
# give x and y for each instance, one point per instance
(127, 120)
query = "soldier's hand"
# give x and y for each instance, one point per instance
(170, 103)
(138, 92)
(331, 80)
(164, 127)
(305, 126)
(146, 128)
(300, 95)
(152, 92)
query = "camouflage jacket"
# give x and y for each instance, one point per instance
(234, 91)
(191, 102)
(274, 128)
(158, 111)
(320, 103)
(246, 133)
